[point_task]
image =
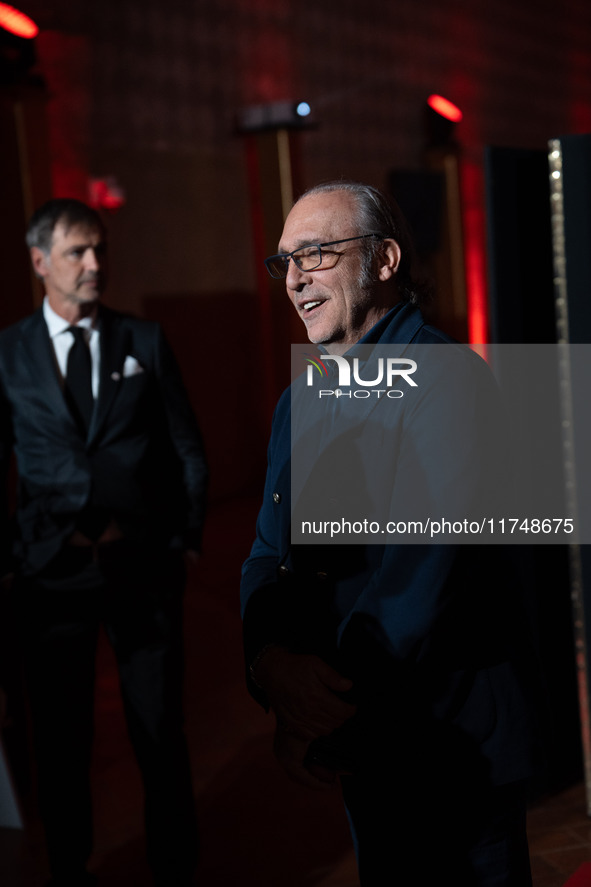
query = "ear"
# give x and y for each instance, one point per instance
(40, 261)
(389, 259)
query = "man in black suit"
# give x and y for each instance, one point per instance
(112, 483)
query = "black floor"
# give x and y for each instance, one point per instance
(257, 829)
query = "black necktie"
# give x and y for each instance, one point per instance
(78, 386)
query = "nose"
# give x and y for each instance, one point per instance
(296, 279)
(91, 260)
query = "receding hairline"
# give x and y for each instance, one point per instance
(85, 226)
(312, 238)
(69, 213)
(329, 189)
(374, 210)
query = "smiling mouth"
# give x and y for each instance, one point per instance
(308, 307)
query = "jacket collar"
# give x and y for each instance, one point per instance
(40, 361)
(114, 346)
(399, 326)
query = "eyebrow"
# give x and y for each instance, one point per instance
(300, 244)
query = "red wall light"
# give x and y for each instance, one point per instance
(105, 193)
(17, 22)
(445, 108)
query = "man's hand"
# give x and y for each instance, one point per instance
(290, 751)
(302, 691)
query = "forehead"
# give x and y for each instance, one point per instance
(319, 218)
(65, 235)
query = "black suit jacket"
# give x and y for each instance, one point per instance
(143, 459)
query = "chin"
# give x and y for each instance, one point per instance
(320, 338)
(90, 298)
(316, 336)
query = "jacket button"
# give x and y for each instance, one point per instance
(283, 570)
(277, 498)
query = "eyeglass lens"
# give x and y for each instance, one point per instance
(306, 259)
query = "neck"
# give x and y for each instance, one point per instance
(372, 318)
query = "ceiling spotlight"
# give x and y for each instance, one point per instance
(275, 115)
(445, 108)
(16, 22)
(440, 118)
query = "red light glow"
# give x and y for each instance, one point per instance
(105, 194)
(472, 188)
(17, 22)
(445, 108)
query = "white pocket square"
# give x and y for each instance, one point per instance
(131, 367)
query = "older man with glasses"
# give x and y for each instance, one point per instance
(394, 669)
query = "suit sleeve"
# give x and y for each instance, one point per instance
(187, 441)
(6, 560)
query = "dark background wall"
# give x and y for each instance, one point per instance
(148, 91)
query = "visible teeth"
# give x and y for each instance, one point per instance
(309, 305)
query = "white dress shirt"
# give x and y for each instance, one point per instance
(62, 340)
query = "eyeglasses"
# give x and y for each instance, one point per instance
(307, 258)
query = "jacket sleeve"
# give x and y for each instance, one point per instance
(264, 613)
(6, 558)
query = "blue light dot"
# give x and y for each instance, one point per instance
(303, 109)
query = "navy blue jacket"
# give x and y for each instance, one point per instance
(430, 634)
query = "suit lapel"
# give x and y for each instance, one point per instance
(114, 347)
(40, 360)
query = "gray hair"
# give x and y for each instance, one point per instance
(71, 213)
(379, 214)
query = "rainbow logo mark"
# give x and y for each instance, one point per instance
(316, 362)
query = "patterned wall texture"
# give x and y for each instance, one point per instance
(164, 80)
